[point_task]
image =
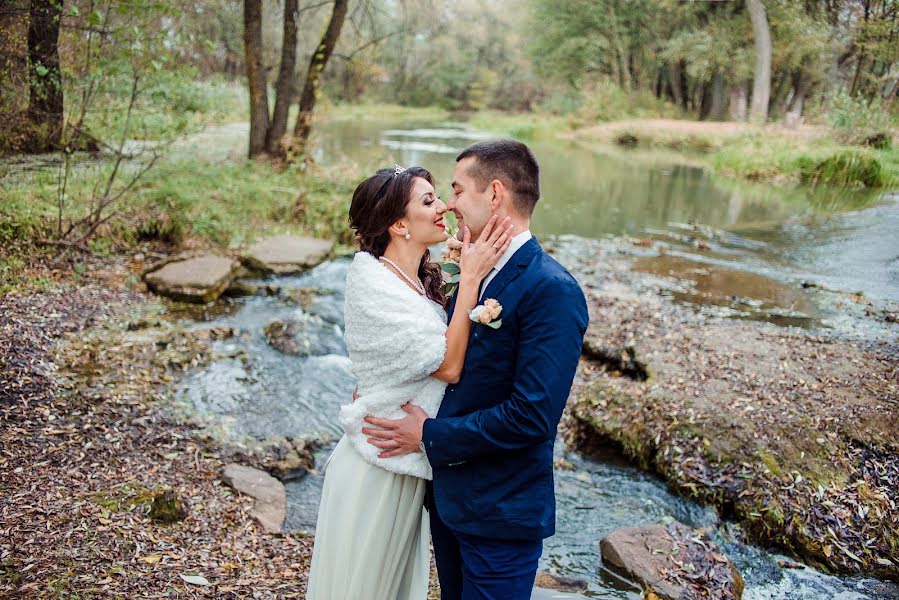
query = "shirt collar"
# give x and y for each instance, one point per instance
(517, 242)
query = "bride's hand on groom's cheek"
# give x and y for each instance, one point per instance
(397, 437)
(479, 258)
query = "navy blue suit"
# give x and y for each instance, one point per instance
(491, 445)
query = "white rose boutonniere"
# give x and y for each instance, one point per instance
(487, 314)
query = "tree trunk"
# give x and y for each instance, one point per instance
(285, 84)
(705, 100)
(794, 114)
(677, 84)
(252, 38)
(761, 82)
(316, 65)
(856, 80)
(739, 99)
(45, 101)
(716, 111)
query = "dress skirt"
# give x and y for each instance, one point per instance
(372, 535)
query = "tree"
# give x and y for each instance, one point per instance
(267, 132)
(285, 82)
(45, 102)
(256, 80)
(761, 82)
(313, 74)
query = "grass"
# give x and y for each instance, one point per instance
(187, 200)
(170, 108)
(225, 203)
(373, 112)
(523, 126)
(773, 157)
(771, 154)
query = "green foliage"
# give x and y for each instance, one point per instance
(174, 104)
(710, 46)
(220, 202)
(462, 55)
(606, 101)
(855, 121)
(845, 168)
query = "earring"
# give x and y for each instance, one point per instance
(408, 237)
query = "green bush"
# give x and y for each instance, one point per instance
(854, 121)
(606, 101)
(561, 103)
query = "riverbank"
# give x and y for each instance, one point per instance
(773, 153)
(100, 362)
(205, 192)
(791, 432)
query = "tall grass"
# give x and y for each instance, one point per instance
(845, 168)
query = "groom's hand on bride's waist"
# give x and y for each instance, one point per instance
(397, 437)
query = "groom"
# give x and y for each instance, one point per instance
(491, 445)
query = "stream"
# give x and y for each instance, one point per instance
(764, 242)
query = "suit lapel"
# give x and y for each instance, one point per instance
(522, 258)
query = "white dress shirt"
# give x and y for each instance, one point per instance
(517, 242)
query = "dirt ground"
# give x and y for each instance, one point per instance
(608, 132)
(85, 445)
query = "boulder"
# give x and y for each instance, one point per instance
(305, 336)
(167, 508)
(673, 562)
(292, 459)
(551, 581)
(271, 497)
(200, 279)
(240, 288)
(285, 254)
(544, 594)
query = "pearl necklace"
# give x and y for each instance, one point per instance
(414, 283)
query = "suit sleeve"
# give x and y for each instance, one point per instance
(553, 322)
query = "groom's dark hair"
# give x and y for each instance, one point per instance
(511, 162)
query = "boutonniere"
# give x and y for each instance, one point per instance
(487, 314)
(449, 264)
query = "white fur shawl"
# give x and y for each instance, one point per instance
(396, 339)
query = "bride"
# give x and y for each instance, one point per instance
(372, 535)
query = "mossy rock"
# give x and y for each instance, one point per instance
(880, 141)
(167, 508)
(626, 138)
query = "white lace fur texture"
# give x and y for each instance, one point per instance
(396, 338)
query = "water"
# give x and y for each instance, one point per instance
(841, 239)
(762, 242)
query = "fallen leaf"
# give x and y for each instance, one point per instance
(195, 579)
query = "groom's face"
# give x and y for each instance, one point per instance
(469, 201)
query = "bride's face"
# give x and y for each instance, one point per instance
(424, 214)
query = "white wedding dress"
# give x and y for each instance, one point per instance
(372, 535)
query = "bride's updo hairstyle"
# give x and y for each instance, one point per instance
(379, 202)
